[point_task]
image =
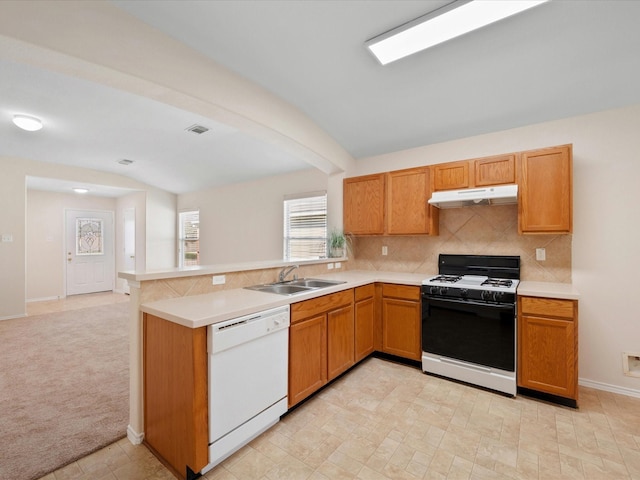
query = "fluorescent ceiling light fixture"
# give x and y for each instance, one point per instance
(443, 24)
(80, 190)
(28, 123)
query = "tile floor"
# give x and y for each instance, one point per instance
(388, 421)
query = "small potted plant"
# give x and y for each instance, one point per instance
(337, 243)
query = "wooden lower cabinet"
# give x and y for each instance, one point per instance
(401, 321)
(176, 425)
(307, 357)
(321, 342)
(364, 321)
(340, 341)
(548, 346)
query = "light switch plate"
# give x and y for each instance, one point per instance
(218, 279)
(541, 254)
(7, 237)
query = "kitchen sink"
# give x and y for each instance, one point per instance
(314, 282)
(293, 287)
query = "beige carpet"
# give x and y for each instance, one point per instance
(64, 387)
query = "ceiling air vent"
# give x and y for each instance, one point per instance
(199, 129)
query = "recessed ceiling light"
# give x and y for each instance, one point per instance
(450, 21)
(28, 123)
(125, 161)
(80, 190)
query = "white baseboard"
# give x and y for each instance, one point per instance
(133, 436)
(630, 392)
(11, 317)
(45, 299)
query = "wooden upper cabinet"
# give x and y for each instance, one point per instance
(408, 212)
(494, 170)
(545, 191)
(451, 176)
(363, 203)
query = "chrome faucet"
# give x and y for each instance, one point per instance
(286, 271)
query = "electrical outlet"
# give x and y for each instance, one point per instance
(541, 254)
(218, 280)
(329, 266)
(338, 264)
(385, 250)
(7, 237)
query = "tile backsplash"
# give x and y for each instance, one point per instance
(477, 230)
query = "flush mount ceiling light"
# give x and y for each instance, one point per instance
(450, 21)
(80, 190)
(28, 123)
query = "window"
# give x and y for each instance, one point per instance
(305, 226)
(189, 238)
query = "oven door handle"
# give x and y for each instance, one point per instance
(444, 302)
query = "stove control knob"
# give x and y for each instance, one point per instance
(464, 292)
(443, 290)
(433, 290)
(485, 295)
(498, 296)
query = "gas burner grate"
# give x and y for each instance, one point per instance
(446, 278)
(497, 282)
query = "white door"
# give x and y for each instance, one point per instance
(89, 251)
(129, 232)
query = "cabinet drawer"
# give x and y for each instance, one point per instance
(365, 291)
(549, 307)
(401, 291)
(315, 306)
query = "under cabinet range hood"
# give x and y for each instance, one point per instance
(497, 195)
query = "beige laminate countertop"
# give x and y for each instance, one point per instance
(202, 310)
(548, 289)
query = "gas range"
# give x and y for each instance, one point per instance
(472, 287)
(488, 278)
(469, 320)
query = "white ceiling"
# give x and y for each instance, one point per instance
(561, 59)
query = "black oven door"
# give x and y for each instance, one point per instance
(475, 332)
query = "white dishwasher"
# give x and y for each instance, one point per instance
(248, 371)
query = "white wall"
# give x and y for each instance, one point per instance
(137, 201)
(161, 224)
(244, 222)
(606, 238)
(45, 254)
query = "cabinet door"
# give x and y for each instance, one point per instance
(307, 357)
(364, 321)
(176, 410)
(408, 212)
(340, 341)
(495, 170)
(363, 204)
(451, 176)
(547, 355)
(401, 326)
(545, 190)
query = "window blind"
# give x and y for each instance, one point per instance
(305, 227)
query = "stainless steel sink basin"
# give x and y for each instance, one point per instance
(294, 287)
(314, 282)
(280, 288)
